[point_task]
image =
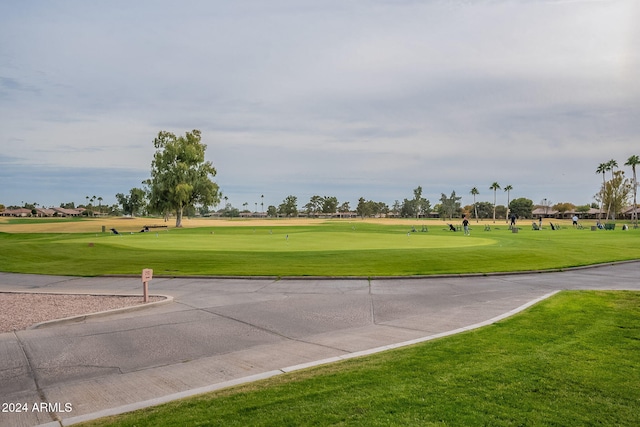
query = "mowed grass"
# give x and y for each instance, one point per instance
(323, 248)
(572, 360)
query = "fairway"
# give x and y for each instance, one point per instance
(305, 247)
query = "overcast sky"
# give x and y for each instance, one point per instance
(345, 98)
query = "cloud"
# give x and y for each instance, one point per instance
(362, 98)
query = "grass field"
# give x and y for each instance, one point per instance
(300, 247)
(572, 360)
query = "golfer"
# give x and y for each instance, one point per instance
(465, 225)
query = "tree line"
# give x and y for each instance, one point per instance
(181, 184)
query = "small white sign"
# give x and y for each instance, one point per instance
(147, 275)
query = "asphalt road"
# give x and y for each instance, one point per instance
(219, 332)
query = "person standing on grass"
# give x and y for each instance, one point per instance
(465, 225)
(575, 220)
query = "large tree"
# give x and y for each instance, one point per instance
(180, 176)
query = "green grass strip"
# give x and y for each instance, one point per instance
(572, 360)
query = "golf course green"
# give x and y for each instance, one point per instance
(306, 248)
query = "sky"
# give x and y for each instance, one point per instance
(344, 98)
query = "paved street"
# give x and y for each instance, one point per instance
(220, 331)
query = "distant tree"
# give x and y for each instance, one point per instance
(314, 206)
(616, 193)
(634, 161)
(408, 209)
(363, 209)
(132, 203)
(2, 207)
(421, 205)
(500, 211)
(180, 176)
(583, 209)
(369, 208)
(563, 207)
(449, 206)
(415, 207)
(495, 187)
(344, 207)
(229, 211)
(272, 211)
(485, 209)
(329, 205)
(68, 205)
(611, 166)
(508, 189)
(381, 208)
(602, 168)
(474, 192)
(289, 206)
(521, 207)
(203, 210)
(395, 209)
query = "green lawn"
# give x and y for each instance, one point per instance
(330, 249)
(572, 360)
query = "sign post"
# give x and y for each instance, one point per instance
(147, 275)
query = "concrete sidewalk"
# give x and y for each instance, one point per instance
(220, 332)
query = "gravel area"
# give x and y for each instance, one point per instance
(21, 310)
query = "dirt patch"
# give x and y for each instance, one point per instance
(21, 310)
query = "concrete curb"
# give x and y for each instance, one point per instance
(219, 386)
(82, 317)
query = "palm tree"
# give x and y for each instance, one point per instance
(262, 202)
(474, 191)
(495, 187)
(602, 168)
(633, 161)
(611, 165)
(508, 189)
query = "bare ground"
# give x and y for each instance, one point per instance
(21, 310)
